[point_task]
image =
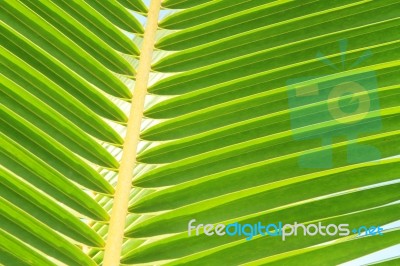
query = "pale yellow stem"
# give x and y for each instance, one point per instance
(121, 198)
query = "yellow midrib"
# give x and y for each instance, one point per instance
(121, 198)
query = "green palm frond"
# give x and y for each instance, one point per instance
(215, 123)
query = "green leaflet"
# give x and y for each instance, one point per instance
(178, 4)
(33, 170)
(261, 149)
(380, 216)
(36, 29)
(353, 248)
(288, 37)
(13, 251)
(217, 188)
(99, 25)
(26, 197)
(49, 121)
(81, 36)
(136, 5)
(245, 204)
(258, 65)
(117, 15)
(236, 123)
(48, 150)
(38, 85)
(302, 212)
(250, 109)
(232, 93)
(256, 17)
(207, 12)
(41, 237)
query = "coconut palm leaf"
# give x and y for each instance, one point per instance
(115, 135)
